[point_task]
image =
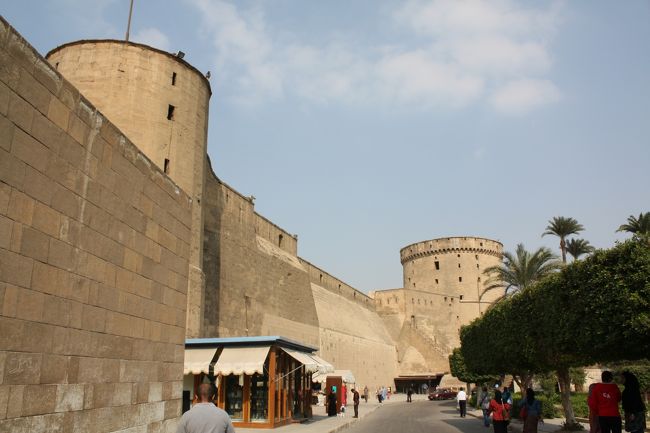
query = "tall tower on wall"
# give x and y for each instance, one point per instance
(161, 103)
(444, 278)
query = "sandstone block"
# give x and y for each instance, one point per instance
(6, 133)
(122, 394)
(21, 207)
(93, 318)
(46, 219)
(15, 405)
(78, 129)
(15, 269)
(36, 337)
(54, 369)
(22, 368)
(66, 202)
(37, 185)
(155, 392)
(5, 96)
(12, 332)
(20, 112)
(47, 76)
(97, 370)
(39, 399)
(34, 244)
(69, 397)
(27, 149)
(58, 113)
(57, 311)
(6, 226)
(12, 170)
(33, 91)
(4, 401)
(62, 255)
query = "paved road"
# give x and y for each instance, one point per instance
(418, 417)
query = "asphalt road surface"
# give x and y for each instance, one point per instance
(418, 417)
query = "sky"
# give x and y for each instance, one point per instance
(364, 126)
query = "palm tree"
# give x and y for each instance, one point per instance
(578, 247)
(520, 270)
(640, 227)
(563, 227)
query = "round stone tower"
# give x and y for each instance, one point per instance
(444, 278)
(160, 102)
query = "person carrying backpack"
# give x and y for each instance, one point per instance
(484, 404)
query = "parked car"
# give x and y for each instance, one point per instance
(442, 394)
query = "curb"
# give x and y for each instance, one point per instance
(352, 421)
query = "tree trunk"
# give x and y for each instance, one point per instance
(563, 249)
(565, 393)
(524, 380)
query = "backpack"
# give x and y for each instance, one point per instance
(485, 402)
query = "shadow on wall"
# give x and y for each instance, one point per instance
(212, 250)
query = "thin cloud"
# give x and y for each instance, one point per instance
(153, 37)
(521, 96)
(464, 49)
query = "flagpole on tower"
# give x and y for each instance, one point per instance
(128, 26)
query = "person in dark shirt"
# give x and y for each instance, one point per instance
(633, 406)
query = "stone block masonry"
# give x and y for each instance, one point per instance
(94, 249)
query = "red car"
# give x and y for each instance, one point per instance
(442, 394)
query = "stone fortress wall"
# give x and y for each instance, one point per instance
(161, 103)
(94, 253)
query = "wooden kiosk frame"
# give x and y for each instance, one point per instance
(278, 395)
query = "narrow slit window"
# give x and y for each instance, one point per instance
(436, 281)
(170, 112)
(459, 265)
(166, 166)
(173, 78)
(460, 279)
(280, 237)
(437, 265)
(461, 297)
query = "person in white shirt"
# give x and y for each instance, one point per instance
(461, 397)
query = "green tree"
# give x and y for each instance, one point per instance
(520, 270)
(459, 370)
(639, 227)
(563, 227)
(578, 247)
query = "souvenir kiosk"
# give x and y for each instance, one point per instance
(262, 382)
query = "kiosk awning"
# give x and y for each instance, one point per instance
(311, 365)
(241, 360)
(198, 360)
(323, 366)
(346, 375)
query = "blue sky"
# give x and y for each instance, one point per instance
(365, 126)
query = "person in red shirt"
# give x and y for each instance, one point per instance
(604, 401)
(500, 413)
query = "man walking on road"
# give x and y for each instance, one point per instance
(205, 417)
(355, 400)
(462, 402)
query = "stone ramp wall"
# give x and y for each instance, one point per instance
(94, 247)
